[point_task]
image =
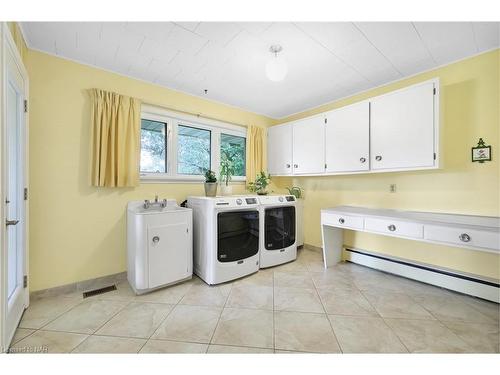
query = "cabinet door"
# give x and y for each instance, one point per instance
(309, 146)
(168, 253)
(279, 150)
(402, 128)
(347, 139)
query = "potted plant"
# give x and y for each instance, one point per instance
(210, 184)
(260, 184)
(226, 173)
(298, 193)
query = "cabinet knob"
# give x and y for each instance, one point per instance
(464, 237)
(295, 165)
(362, 160)
(341, 220)
(156, 239)
(378, 158)
(288, 165)
(391, 227)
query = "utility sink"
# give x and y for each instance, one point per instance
(159, 245)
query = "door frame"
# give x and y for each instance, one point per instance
(7, 44)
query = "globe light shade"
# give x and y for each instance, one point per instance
(276, 69)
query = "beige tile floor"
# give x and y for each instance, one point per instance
(296, 307)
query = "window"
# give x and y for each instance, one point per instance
(153, 146)
(232, 148)
(193, 150)
(178, 147)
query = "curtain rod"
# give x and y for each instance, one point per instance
(199, 114)
(186, 112)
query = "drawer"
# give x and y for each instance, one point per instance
(395, 227)
(342, 221)
(463, 236)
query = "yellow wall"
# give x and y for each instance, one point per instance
(469, 110)
(77, 232)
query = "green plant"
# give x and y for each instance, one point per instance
(210, 176)
(226, 168)
(296, 191)
(260, 183)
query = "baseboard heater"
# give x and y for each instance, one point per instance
(488, 289)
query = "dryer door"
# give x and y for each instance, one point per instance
(279, 227)
(237, 235)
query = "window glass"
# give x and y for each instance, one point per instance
(153, 146)
(193, 150)
(232, 148)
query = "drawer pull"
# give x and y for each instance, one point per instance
(378, 158)
(295, 165)
(341, 221)
(156, 239)
(464, 237)
(288, 165)
(391, 227)
(362, 160)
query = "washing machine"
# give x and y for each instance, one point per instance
(225, 237)
(278, 227)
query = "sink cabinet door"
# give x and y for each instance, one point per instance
(168, 250)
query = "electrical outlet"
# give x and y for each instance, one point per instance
(392, 188)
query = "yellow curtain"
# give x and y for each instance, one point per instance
(255, 152)
(115, 139)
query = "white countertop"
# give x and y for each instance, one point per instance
(484, 222)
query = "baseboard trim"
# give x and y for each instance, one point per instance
(80, 286)
(474, 285)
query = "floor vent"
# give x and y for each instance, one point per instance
(95, 292)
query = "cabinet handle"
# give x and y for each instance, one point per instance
(288, 165)
(378, 158)
(362, 160)
(464, 237)
(295, 165)
(391, 227)
(341, 220)
(156, 239)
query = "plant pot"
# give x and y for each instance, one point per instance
(226, 189)
(261, 192)
(210, 189)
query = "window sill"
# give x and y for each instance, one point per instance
(155, 179)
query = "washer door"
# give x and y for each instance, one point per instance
(279, 227)
(237, 235)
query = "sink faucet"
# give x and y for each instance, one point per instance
(156, 198)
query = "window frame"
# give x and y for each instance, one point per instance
(173, 120)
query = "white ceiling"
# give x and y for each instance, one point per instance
(326, 61)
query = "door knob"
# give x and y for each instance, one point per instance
(378, 158)
(362, 160)
(11, 222)
(156, 239)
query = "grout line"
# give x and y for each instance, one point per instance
(220, 316)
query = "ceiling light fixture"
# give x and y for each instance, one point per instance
(276, 67)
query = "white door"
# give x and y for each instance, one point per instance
(402, 128)
(14, 176)
(309, 146)
(347, 139)
(279, 150)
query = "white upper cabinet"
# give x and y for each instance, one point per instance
(347, 139)
(393, 132)
(402, 129)
(309, 145)
(279, 150)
